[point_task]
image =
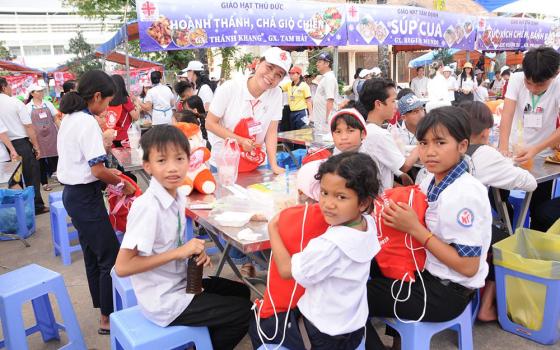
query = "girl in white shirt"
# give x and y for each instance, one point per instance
(81, 169)
(159, 101)
(466, 84)
(334, 267)
(458, 232)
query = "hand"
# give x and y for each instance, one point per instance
(505, 151)
(114, 171)
(247, 144)
(37, 152)
(204, 260)
(406, 180)
(193, 247)
(277, 170)
(14, 155)
(129, 188)
(401, 217)
(523, 155)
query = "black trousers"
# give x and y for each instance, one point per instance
(293, 338)
(443, 302)
(224, 307)
(30, 168)
(85, 206)
(48, 166)
(544, 211)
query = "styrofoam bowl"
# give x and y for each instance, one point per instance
(233, 218)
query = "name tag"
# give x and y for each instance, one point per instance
(42, 115)
(532, 120)
(254, 127)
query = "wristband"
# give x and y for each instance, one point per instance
(428, 239)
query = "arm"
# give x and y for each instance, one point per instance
(6, 141)
(33, 138)
(505, 125)
(213, 125)
(146, 106)
(530, 152)
(271, 142)
(309, 106)
(493, 169)
(280, 254)
(110, 177)
(129, 262)
(330, 105)
(410, 160)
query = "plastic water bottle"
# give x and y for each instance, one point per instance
(134, 136)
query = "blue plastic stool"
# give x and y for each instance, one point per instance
(556, 191)
(362, 346)
(131, 330)
(55, 197)
(123, 294)
(550, 331)
(23, 205)
(516, 199)
(61, 235)
(417, 335)
(34, 282)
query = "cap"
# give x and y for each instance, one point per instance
(184, 75)
(447, 69)
(35, 87)
(196, 66)
(352, 112)
(467, 65)
(364, 73)
(409, 102)
(504, 68)
(279, 57)
(306, 181)
(295, 69)
(325, 56)
(376, 71)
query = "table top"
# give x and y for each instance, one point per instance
(231, 233)
(7, 169)
(306, 137)
(544, 171)
(126, 159)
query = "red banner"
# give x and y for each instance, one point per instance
(20, 83)
(138, 77)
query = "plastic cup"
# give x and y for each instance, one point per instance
(528, 165)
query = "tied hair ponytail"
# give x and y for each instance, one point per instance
(90, 83)
(72, 102)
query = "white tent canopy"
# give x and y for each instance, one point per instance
(544, 7)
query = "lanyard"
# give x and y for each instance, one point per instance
(254, 103)
(535, 103)
(179, 230)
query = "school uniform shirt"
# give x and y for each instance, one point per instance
(233, 102)
(156, 222)
(4, 154)
(493, 169)
(160, 96)
(14, 115)
(297, 95)
(420, 86)
(334, 269)
(381, 146)
(407, 138)
(459, 214)
(205, 93)
(80, 146)
(548, 105)
(326, 90)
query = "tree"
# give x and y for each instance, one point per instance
(227, 55)
(443, 55)
(5, 53)
(383, 52)
(85, 59)
(241, 63)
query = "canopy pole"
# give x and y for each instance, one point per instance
(335, 61)
(126, 60)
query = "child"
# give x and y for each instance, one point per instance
(348, 129)
(81, 169)
(378, 97)
(153, 251)
(492, 169)
(334, 267)
(411, 109)
(458, 230)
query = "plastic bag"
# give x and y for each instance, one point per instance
(226, 154)
(534, 253)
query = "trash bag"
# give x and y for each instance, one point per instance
(534, 253)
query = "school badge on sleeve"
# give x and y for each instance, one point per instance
(465, 217)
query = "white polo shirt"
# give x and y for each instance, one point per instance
(233, 102)
(420, 86)
(14, 115)
(154, 224)
(381, 146)
(80, 146)
(161, 98)
(4, 154)
(327, 89)
(334, 270)
(549, 103)
(460, 216)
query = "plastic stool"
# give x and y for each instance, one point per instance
(550, 331)
(556, 191)
(18, 213)
(417, 335)
(362, 346)
(55, 197)
(34, 282)
(131, 330)
(61, 236)
(123, 293)
(516, 198)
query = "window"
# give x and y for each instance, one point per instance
(59, 50)
(38, 50)
(15, 51)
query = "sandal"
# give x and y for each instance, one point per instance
(248, 270)
(46, 187)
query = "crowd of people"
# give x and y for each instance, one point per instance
(380, 136)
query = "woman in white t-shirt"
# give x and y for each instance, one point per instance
(159, 101)
(202, 84)
(466, 84)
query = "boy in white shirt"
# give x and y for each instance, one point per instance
(154, 253)
(378, 97)
(419, 83)
(411, 109)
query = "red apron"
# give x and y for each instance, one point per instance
(46, 130)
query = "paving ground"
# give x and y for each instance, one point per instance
(14, 255)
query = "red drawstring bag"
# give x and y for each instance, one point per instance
(290, 224)
(119, 204)
(249, 161)
(113, 116)
(322, 153)
(399, 249)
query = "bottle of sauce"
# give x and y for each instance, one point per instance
(194, 276)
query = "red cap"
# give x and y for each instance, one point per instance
(295, 69)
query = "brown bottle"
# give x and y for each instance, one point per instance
(194, 276)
